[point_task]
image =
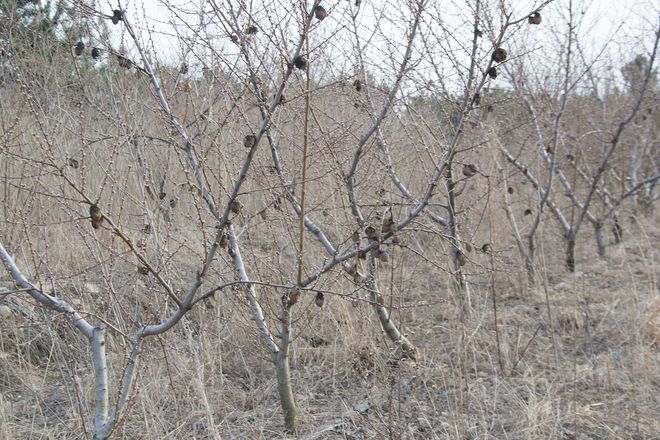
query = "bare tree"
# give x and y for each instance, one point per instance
(586, 182)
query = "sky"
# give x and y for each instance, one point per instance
(620, 26)
(600, 19)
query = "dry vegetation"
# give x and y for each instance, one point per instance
(502, 336)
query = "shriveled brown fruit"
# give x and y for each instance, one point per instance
(469, 170)
(357, 84)
(389, 226)
(320, 13)
(371, 232)
(95, 216)
(124, 62)
(535, 18)
(300, 62)
(499, 55)
(249, 140)
(294, 296)
(320, 299)
(117, 16)
(492, 72)
(235, 206)
(96, 53)
(79, 48)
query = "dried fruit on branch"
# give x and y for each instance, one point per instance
(320, 13)
(320, 299)
(294, 296)
(389, 226)
(300, 62)
(499, 55)
(95, 216)
(117, 16)
(249, 140)
(79, 48)
(535, 18)
(371, 232)
(235, 206)
(469, 170)
(124, 62)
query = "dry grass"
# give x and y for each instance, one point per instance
(589, 373)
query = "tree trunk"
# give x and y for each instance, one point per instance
(457, 257)
(531, 273)
(284, 389)
(391, 330)
(600, 243)
(283, 370)
(570, 252)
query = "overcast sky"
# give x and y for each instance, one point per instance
(601, 16)
(619, 24)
